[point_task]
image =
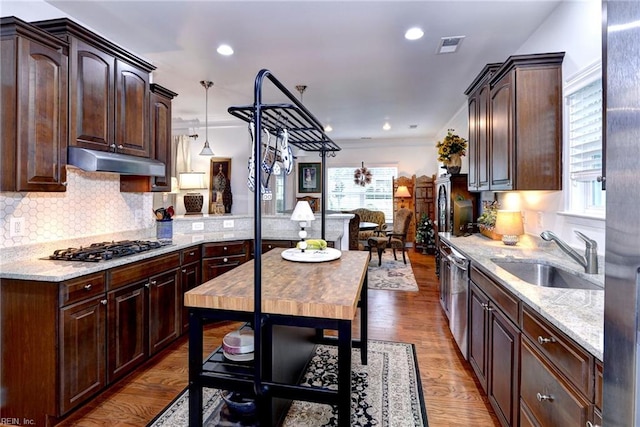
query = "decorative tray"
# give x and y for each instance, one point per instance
(311, 255)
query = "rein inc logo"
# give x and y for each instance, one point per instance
(17, 421)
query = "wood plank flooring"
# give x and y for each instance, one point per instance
(453, 397)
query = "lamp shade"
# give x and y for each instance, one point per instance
(509, 224)
(402, 191)
(302, 212)
(192, 181)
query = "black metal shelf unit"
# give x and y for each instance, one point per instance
(306, 133)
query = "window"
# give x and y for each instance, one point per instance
(343, 194)
(584, 144)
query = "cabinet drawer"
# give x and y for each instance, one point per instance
(190, 255)
(81, 288)
(210, 250)
(507, 302)
(551, 400)
(572, 360)
(267, 245)
(141, 270)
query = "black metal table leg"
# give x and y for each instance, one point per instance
(364, 321)
(344, 373)
(195, 368)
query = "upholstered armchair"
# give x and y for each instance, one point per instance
(367, 215)
(395, 239)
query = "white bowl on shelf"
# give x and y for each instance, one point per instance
(238, 342)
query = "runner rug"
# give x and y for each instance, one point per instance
(392, 275)
(386, 392)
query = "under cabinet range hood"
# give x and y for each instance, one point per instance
(104, 161)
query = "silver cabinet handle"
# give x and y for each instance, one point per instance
(88, 287)
(544, 397)
(225, 259)
(224, 248)
(544, 341)
(103, 301)
(147, 285)
(192, 253)
(184, 270)
(590, 424)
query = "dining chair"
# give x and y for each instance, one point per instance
(394, 239)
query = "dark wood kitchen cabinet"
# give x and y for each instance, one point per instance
(525, 149)
(109, 92)
(218, 258)
(479, 102)
(160, 128)
(33, 87)
(495, 345)
(53, 336)
(144, 311)
(190, 277)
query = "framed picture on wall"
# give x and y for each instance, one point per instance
(309, 178)
(220, 197)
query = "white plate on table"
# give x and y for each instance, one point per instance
(311, 255)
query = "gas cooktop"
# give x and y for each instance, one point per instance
(104, 250)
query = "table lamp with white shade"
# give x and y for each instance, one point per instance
(509, 224)
(193, 201)
(402, 192)
(302, 213)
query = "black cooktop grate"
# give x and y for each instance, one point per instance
(104, 251)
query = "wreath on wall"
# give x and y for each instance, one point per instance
(362, 176)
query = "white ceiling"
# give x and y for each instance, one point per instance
(359, 70)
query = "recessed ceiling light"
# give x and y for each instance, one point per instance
(414, 33)
(328, 128)
(225, 49)
(386, 126)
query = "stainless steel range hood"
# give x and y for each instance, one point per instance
(103, 161)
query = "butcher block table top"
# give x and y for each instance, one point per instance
(311, 289)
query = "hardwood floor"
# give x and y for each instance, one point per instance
(452, 395)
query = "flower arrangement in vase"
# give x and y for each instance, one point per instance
(450, 151)
(487, 220)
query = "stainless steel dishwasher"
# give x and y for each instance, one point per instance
(458, 298)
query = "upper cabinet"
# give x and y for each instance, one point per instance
(108, 94)
(525, 125)
(479, 101)
(34, 108)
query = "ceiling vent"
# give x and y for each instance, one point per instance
(449, 44)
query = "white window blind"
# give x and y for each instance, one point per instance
(585, 132)
(344, 194)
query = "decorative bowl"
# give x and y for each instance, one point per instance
(239, 404)
(238, 342)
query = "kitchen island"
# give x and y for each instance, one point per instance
(323, 295)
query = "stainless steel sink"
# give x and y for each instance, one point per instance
(541, 274)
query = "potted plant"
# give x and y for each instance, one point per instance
(426, 235)
(450, 150)
(487, 220)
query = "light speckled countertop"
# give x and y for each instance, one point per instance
(578, 313)
(42, 269)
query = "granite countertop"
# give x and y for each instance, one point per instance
(576, 312)
(41, 268)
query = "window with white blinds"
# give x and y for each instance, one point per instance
(584, 144)
(343, 194)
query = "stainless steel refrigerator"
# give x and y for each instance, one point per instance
(621, 67)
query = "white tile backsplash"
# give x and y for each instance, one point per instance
(92, 205)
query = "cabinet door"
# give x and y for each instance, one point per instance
(132, 106)
(504, 355)
(502, 135)
(91, 97)
(483, 138)
(189, 279)
(161, 139)
(40, 120)
(164, 310)
(478, 334)
(127, 332)
(444, 282)
(82, 351)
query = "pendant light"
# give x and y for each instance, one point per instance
(206, 150)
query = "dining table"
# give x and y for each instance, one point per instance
(295, 297)
(364, 226)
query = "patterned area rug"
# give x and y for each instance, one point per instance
(392, 275)
(386, 392)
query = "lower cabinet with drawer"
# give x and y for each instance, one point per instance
(218, 258)
(190, 277)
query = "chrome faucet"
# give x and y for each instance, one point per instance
(590, 259)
